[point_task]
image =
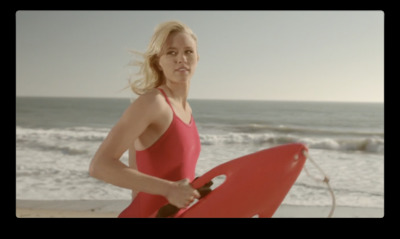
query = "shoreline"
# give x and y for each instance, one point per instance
(112, 208)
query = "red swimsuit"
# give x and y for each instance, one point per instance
(172, 157)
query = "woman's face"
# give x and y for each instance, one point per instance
(178, 58)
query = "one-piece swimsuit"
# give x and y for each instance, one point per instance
(172, 157)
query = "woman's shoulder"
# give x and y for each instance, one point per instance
(150, 98)
(150, 101)
(150, 105)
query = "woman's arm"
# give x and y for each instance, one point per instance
(106, 165)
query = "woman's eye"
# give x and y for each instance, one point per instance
(174, 53)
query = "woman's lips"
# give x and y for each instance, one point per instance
(182, 69)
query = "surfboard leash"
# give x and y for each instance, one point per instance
(324, 180)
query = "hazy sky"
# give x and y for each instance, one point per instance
(262, 55)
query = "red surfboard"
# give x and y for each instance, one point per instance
(255, 184)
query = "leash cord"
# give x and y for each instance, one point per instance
(324, 180)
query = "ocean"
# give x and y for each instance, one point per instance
(57, 137)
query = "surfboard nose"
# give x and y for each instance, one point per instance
(294, 163)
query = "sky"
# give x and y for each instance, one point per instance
(244, 55)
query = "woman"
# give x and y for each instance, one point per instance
(158, 128)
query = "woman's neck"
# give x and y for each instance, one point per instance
(178, 92)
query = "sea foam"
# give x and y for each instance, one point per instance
(365, 144)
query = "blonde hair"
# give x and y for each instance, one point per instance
(150, 76)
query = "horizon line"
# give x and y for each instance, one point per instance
(225, 99)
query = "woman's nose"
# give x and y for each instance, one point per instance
(180, 58)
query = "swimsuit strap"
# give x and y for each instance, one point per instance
(166, 98)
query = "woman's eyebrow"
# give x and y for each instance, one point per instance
(175, 48)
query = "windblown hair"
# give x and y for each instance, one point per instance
(150, 76)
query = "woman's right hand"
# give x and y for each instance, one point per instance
(181, 194)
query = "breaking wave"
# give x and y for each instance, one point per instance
(67, 141)
(75, 140)
(364, 144)
(299, 130)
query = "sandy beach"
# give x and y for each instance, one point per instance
(53, 213)
(111, 209)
